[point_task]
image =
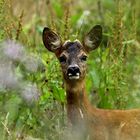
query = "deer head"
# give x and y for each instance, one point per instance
(72, 55)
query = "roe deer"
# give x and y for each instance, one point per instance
(93, 123)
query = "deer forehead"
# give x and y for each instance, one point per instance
(72, 47)
(69, 41)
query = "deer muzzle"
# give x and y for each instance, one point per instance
(73, 72)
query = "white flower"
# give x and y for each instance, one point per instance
(8, 78)
(31, 63)
(83, 19)
(13, 50)
(30, 93)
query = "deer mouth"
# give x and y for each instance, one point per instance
(75, 76)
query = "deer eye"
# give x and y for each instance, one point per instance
(62, 59)
(83, 58)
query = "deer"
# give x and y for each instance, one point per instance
(89, 122)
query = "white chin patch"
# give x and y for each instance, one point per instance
(75, 77)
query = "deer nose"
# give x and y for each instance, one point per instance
(73, 71)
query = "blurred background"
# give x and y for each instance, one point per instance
(32, 95)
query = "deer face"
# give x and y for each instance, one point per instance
(73, 60)
(72, 55)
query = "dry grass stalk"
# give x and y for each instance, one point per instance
(19, 29)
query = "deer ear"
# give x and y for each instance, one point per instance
(93, 39)
(51, 40)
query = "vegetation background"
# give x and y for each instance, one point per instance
(32, 97)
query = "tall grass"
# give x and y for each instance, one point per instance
(35, 106)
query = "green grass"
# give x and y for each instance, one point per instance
(113, 70)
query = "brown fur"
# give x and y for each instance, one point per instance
(88, 122)
(102, 124)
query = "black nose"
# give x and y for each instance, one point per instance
(73, 70)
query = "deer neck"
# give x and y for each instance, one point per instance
(78, 105)
(75, 93)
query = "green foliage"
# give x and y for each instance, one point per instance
(113, 69)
